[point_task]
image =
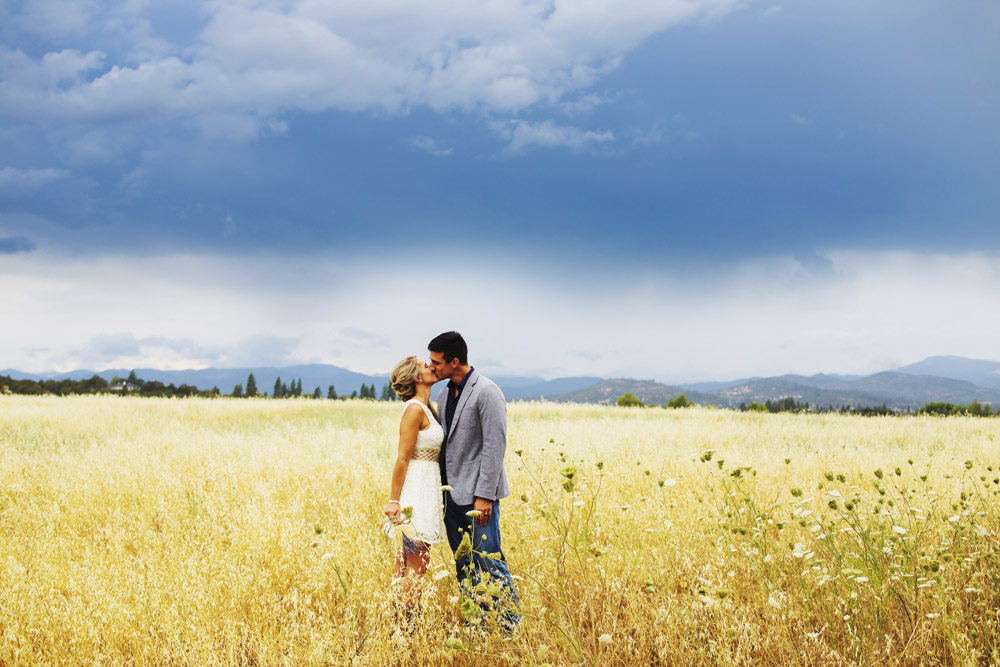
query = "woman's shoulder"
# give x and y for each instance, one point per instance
(414, 407)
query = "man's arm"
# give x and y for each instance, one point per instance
(493, 420)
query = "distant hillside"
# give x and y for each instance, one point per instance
(647, 391)
(946, 379)
(543, 389)
(897, 391)
(979, 372)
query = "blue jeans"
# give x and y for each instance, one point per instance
(457, 523)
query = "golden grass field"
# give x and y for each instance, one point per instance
(211, 532)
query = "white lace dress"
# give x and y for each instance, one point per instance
(422, 486)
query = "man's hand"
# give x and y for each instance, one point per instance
(485, 507)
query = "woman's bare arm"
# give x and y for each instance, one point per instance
(409, 426)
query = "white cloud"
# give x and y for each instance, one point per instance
(523, 136)
(429, 145)
(799, 119)
(869, 311)
(257, 59)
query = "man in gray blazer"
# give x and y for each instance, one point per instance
(474, 418)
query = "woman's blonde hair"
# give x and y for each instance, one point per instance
(404, 378)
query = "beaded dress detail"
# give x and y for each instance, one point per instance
(422, 486)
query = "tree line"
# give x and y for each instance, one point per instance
(283, 390)
(135, 386)
(98, 385)
(789, 404)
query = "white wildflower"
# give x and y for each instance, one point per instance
(899, 530)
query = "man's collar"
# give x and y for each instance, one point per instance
(461, 385)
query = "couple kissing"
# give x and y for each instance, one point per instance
(459, 453)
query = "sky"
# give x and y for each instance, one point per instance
(678, 190)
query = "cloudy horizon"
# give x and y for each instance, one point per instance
(678, 190)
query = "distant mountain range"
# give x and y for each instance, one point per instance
(950, 379)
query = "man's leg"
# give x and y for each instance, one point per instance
(485, 542)
(455, 522)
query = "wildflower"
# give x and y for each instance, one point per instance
(327, 556)
(438, 576)
(568, 472)
(768, 558)
(968, 465)
(932, 615)
(447, 488)
(454, 643)
(604, 639)
(954, 519)
(861, 580)
(625, 507)
(669, 481)
(469, 609)
(464, 548)
(879, 473)
(579, 503)
(518, 451)
(812, 635)
(899, 530)
(706, 456)
(473, 513)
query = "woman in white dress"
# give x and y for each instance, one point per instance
(416, 478)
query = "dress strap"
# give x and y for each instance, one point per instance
(427, 410)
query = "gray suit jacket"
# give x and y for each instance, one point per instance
(476, 442)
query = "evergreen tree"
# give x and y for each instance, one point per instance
(278, 393)
(237, 391)
(251, 387)
(331, 393)
(387, 393)
(298, 388)
(317, 393)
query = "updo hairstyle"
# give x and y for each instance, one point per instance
(404, 378)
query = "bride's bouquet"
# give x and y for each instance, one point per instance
(401, 532)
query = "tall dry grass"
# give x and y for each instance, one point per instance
(201, 532)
